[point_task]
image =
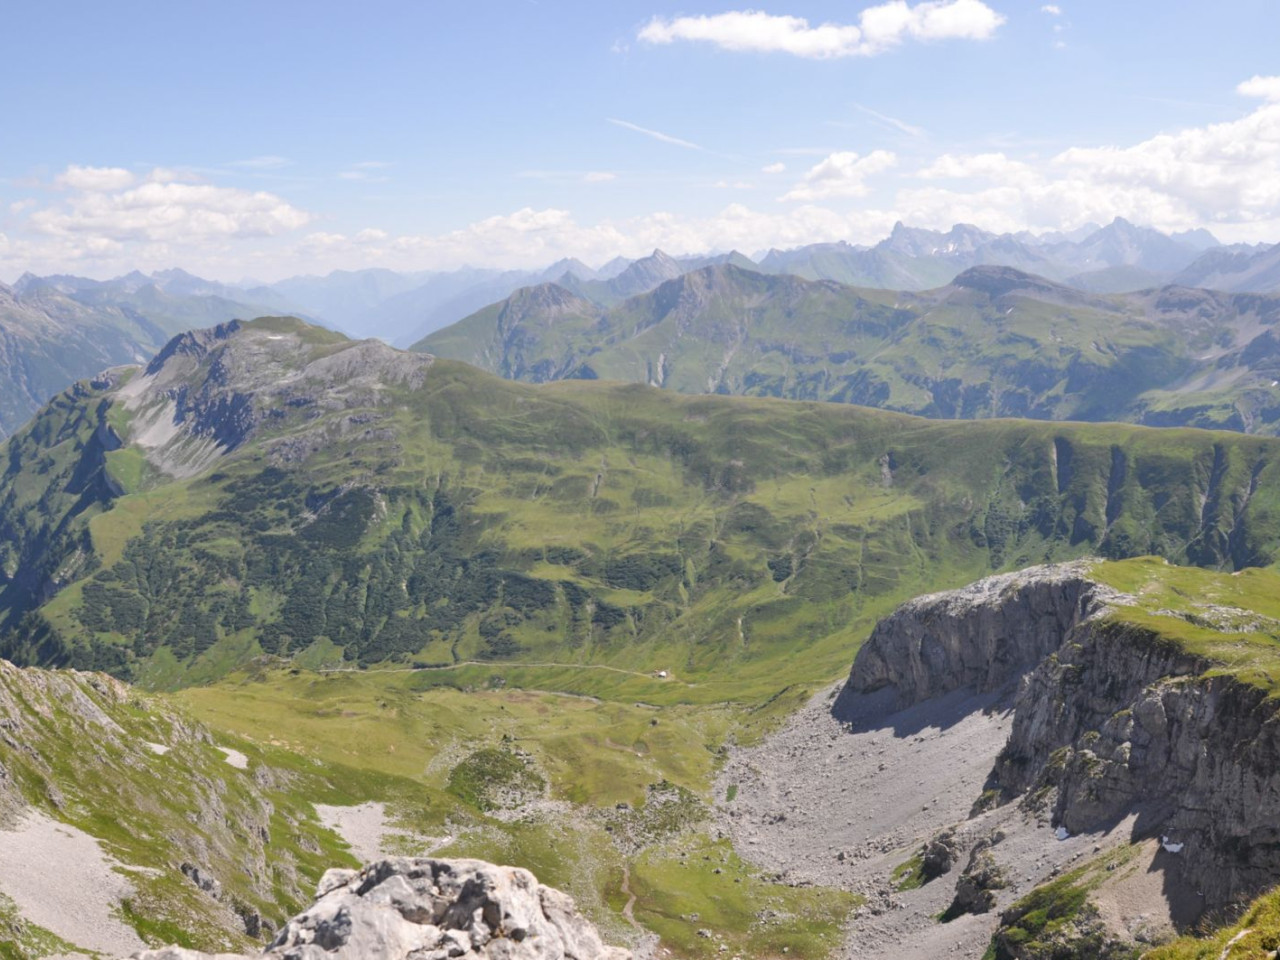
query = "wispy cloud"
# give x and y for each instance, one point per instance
(1052, 9)
(805, 151)
(878, 29)
(900, 125)
(569, 176)
(774, 168)
(263, 163)
(656, 134)
(366, 171)
(1173, 102)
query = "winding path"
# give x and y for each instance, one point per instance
(627, 911)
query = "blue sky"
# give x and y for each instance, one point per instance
(266, 139)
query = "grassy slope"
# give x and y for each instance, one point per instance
(77, 747)
(1256, 936)
(595, 753)
(1232, 620)
(740, 544)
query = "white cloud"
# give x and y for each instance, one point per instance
(879, 28)
(655, 134)
(841, 175)
(1224, 176)
(989, 166)
(599, 176)
(94, 178)
(1266, 88)
(774, 168)
(110, 207)
(171, 175)
(1052, 9)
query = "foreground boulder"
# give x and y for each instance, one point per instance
(431, 910)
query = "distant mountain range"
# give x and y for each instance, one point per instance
(54, 330)
(1120, 257)
(995, 342)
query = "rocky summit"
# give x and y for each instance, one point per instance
(431, 910)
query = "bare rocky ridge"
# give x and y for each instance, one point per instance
(1014, 719)
(207, 392)
(431, 910)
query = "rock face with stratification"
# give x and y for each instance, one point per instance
(429, 909)
(981, 637)
(1110, 718)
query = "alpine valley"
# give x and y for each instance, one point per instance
(279, 601)
(640, 481)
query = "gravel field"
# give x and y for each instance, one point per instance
(61, 880)
(844, 804)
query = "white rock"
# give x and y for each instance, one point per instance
(432, 910)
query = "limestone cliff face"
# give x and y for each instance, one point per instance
(981, 636)
(1113, 719)
(1120, 721)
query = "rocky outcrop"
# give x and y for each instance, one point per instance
(980, 637)
(1122, 721)
(1110, 719)
(977, 886)
(431, 909)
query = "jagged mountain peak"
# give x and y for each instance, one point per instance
(645, 274)
(570, 266)
(962, 239)
(1200, 238)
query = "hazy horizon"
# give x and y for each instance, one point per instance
(512, 134)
